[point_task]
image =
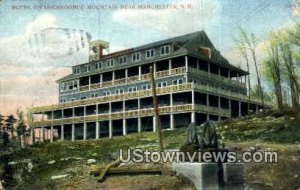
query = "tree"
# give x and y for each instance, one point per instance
(272, 68)
(10, 121)
(250, 42)
(241, 46)
(5, 140)
(290, 54)
(21, 127)
(288, 61)
(1, 124)
(255, 91)
(293, 34)
(30, 119)
(281, 64)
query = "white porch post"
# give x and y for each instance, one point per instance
(154, 124)
(51, 133)
(171, 115)
(186, 62)
(73, 132)
(62, 132)
(140, 72)
(124, 127)
(97, 130)
(139, 124)
(110, 129)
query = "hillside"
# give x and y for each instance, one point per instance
(66, 165)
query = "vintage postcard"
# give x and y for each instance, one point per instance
(160, 94)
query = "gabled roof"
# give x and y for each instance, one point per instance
(186, 43)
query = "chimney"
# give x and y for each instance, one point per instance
(96, 49)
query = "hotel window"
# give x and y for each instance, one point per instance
(110, 63)
(179, 81)
(150, 53)
(88, 68)
(70, 84)
(98, 65)
(106, 93)
(84, 69)
(119, 91)
(164, 84)
(77, 70)
(132, 89)
(61, 87)
(164, 50)
(65, 86)
(136, 56)
(123, 59)
(75, 84)
(146, 86)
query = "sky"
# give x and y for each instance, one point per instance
(28, 72)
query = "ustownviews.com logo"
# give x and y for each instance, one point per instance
(146, 156)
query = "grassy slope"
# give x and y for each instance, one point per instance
(264, 132)
(273, 130)
(103, 151)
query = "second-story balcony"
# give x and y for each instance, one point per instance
(148, 93)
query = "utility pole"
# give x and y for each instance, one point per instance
(156, 114)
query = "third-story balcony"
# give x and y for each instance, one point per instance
(164, 73)
(135, 78)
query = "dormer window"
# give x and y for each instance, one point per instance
(76, 70)
(110, 63)
(150, 53)
(123, 59)
(85, 68)
(164, 50)
(136, 56)
(98, 65)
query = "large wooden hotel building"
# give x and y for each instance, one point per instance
(111, 94)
